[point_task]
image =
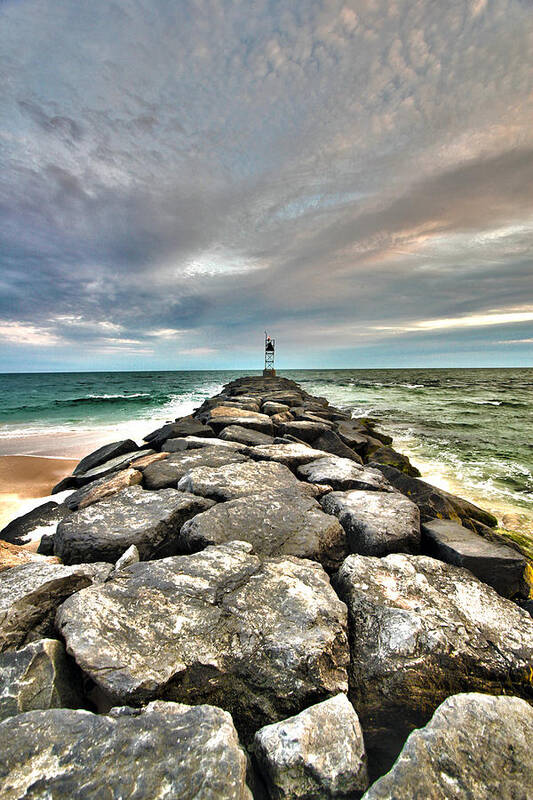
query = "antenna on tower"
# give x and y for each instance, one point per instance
(270, 350)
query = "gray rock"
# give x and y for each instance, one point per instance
(376, 523)
(292, 454)
(31, 593)
(39, 676)
(342, 474)
(149, 520)
(108, 467)
(28, 527)
(319, 753)
(274, 523)
(499, 566)
(165, 750)
(130, 556)
(105, 453)
(387, 455)
(187, 426)
(102, 488)
(196, 442)
(238, 480)
(167, 473)
(246, 436)
(330, 442)
(222, 416)
(305, 430)
(261, 639)
(475, 746)
(420, 631)
(271, 408)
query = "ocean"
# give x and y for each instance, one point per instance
(468, 430)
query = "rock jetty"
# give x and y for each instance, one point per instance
(262, 600)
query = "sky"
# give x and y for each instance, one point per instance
(354, 176)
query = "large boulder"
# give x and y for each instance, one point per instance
(331, 442)
(31, 593)
(105, 453)
(304, 430)
(109, 467)
(238, 480)
(261, 638)
(292, 454)
(166, 750)
(246, 436)
(500, 566)
(376, 523)
(272, 408)
(102, 488)
(222, 416)
(475, 746)
(387, 455)
(167, 473)
(187, 426)
(39, 676)
(149, 520)
(178, 445)
(436, 503)
(36, 523)
(421, 630)
(319, 753)
(342, 474)
(275, 523)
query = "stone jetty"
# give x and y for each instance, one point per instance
(263, 600)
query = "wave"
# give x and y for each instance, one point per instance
(102, 398)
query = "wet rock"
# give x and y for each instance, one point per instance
(420, 631)
(30, 594)
(386, 455)
(39, 676)
(196, 442)
(130, 556)
(187, 426)
(105, 487)
(164, 750)
(332, 443)
(436, 503)
(319, 753)
(274, 523)
(238, 480)
(304, 430)
(354, 437)
(291, 454)
(223, 416)
(167, 473)
(34, 524)
(376, 523)
(11, 555)
(343, 474)
(496, 564)
(271, 408)
(475, 746)
(109, 467)
(247, 436)
(105, 453)
(149, 520)
(198, 629)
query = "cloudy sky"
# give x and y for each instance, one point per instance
(355, 176)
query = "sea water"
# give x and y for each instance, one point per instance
(468, 430)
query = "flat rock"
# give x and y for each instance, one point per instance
(318, 753)
(342, 474)
(196, 442)
(105, 453)
(149, 520)
(376, 523)
(11, 555)
(274, 523)
(166, 750)
(108, 467)
(475, 746)
(260, 638)
(105, 487)
(187, 426)
(433, 502)
(291, 454)
(247, 436)
(32, 525)
(222, 416)
(145, 461)
(31, 593)
(496, 564)
(304, 430)
(238, 480)
(167, 473)
(330, 442)
(39, 676)
(420, 631)
(271, 408)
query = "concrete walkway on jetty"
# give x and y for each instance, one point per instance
(262, 599)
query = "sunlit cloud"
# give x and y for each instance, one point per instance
(20, 333)
(471, 321)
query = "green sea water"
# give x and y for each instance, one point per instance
(471, 429)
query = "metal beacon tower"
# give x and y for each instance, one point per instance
(270, 349)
